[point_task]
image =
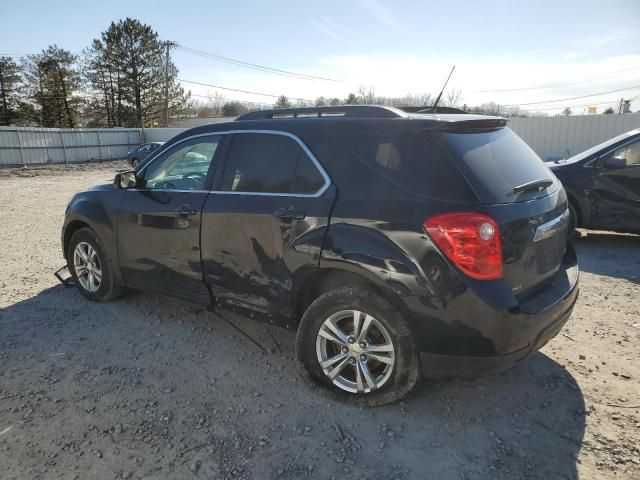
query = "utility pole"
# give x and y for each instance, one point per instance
(40, 87)
(167, 46)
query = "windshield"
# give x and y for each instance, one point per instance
(597, 148)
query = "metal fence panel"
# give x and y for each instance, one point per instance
(26, 146)
(559, 137)
(549, 137)
(161, 134)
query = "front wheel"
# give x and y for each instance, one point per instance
(90, 267)
(573, 220)
(357, 345)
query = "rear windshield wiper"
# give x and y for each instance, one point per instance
(533, 185)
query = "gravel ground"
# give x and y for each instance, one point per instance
(148, 388)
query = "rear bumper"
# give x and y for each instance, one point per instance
(461, 366)
(468, 336)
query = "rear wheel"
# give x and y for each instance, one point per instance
(356, 344)
(91, 268)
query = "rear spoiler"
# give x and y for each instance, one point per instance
(472, 126)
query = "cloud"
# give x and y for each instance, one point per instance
(326, 30)
(566, 56)
(608, 38)
(380, 12)
(331, 29)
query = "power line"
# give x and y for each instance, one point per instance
(612, 102)
(560, 84)
(254, 66)
(573, 98)
(240, 91)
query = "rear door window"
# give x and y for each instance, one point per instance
(269, 163)
(495, 162)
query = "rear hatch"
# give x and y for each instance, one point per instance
(513, 186)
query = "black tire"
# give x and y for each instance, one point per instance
(573, 220)
(109, 288)
(405, 372)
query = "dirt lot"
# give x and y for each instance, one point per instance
(147, 388)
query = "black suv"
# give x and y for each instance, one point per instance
(377, 234)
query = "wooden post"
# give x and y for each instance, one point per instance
(99, 146)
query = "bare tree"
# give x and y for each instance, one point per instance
(454, 97)
(216, 101)
(367, 97)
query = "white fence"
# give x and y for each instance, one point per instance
(553, 138)
(30, 146)
(550, 137)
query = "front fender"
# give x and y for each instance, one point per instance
(97, 210)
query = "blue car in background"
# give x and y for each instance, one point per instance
(137, 155)
(603, 184)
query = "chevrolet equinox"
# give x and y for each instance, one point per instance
(395, 244)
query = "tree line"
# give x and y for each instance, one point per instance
(124, 79)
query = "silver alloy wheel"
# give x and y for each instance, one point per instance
(87, 267)
(355, 351)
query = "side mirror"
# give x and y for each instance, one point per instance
(125, 180)
(615, 162)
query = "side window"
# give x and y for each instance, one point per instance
(183, 167)
(630, 154)
(412, 161)
(144, 148)
(268, 163)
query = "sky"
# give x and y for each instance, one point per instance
(503, 51)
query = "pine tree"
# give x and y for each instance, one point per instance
(10, 82)
(351, 99)
(51, 80)
(126, 67)
(282, 102)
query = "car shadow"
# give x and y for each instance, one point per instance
(609, 254)
(156, 388)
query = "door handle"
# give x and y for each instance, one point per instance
(288, 213)
(185, 211)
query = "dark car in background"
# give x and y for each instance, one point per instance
(384, 238)
(136, 156)
(603, 184)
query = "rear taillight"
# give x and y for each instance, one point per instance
(470, 240)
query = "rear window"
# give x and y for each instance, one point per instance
(412, 161)
(495, 162)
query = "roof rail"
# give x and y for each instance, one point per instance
(353, 111)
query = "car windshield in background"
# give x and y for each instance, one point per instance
(495, 162)
(601, 146)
